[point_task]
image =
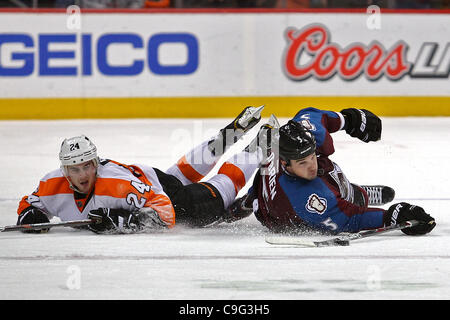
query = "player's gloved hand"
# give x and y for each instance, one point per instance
(123, 221)
(239, 209)
(112, 221)
(148, 218)
(33, 215)
(362, 124)
(401, 212)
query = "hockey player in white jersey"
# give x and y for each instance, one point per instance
(130, 198)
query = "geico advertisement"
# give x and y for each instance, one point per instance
(145, 55)
(107, 45)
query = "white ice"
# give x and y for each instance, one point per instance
(228, 261)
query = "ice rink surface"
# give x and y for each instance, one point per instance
(228, 261)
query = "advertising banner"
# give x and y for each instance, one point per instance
(73, 64)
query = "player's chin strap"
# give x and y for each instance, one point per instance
(71, 186)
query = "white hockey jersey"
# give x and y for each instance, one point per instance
(118, 186)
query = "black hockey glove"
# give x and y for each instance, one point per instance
(122, 221)
(112, 221)
(362, 124)
(33, 215)
(239, 209)
(401, 212)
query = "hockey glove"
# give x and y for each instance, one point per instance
(149, 219)
(32, 215)
(239, 209)
(362, 124)
(122, 221)
(401, 212)
(112, 221)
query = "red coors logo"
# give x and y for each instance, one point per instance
(310, 52)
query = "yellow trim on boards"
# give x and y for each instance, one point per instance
(211, 107)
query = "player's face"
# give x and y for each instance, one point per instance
(305, 168)
(83, 176)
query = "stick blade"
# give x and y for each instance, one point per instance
(333, 243)
(290, 241)
(305, 243)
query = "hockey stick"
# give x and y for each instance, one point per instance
(339, 241)
(47, 225)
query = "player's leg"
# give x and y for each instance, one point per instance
(364, 196)
(198, 162)
(235, 173)
(378, 194)
(195, 204)
(203, 203)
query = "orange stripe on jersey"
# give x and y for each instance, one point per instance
(50, 187)
(53, 186)
(188, 171)
(23, 204)
(234, 173)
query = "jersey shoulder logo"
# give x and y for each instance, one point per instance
(305, 121)
(316, 204)
(308, 125)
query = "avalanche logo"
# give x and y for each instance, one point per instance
(306, 123)
(316, 204)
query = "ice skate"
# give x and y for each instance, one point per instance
(267, 138)
(248, 118)
(379, 195)
(271, 124)
(227, 136)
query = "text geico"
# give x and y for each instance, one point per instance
(26, 51)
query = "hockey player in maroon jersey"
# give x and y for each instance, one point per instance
(303, 189)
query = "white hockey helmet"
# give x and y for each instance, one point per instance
(77, 150)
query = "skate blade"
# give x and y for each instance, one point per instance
(255, 113)
(273, 122)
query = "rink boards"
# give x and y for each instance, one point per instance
(59, 65)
